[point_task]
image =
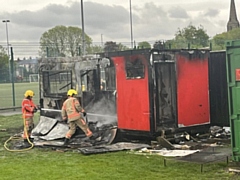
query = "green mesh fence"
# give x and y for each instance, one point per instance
(6, 94)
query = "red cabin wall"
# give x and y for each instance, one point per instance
(192, 91)
(133, 111)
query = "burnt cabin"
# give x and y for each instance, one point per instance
(148, 92)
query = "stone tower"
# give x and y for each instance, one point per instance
(233, 21)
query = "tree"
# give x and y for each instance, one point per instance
(110, 46)
(158, 45)
(93, 49)
(144, 45)
(220, 39)
(63, 41)
(122, 47)
(4, 65)
(196, 37)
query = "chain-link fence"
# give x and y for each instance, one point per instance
(23, 71)
(12, 94)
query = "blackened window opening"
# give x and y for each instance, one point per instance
(134, 69)
(56, 82)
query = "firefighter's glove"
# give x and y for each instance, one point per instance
(35, 110)
(84, 113)
(61, 119)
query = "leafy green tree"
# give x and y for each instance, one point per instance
(122, 47)
(196, 37)
(220, 39)
(169, 44)
(63, 41)
(93, 49)
(110, 46)
(144, 45)
(4, 65)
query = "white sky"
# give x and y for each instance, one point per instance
(152, 19)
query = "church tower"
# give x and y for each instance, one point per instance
(233, 21)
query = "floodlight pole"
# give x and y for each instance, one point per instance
(130, 6)
(12, 70)
(6, 22)
(102, 40)
(83, 33)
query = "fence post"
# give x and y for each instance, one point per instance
(47, 50)
(12, 77)
(210, 46)
(79, 51)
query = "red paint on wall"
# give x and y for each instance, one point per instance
(192, 91)
(237, 74)
(132, 98)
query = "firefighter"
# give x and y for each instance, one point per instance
(71, 110)
(28, 110)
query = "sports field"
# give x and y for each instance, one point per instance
(6, 95)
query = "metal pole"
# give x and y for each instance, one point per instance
(130, 4)
(102, 40)
(47, 50)
(83, 33)
(13, 89)
(6, 21)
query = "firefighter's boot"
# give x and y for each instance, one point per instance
(30, 139)
(26, 144)
(66, 141)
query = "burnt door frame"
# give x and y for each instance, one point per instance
(172, 80)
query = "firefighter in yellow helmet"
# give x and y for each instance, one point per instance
(28, 110)
(71, 110)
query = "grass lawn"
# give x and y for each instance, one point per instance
(44, 164)
(6, 97)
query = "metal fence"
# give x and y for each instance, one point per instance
(12, 94)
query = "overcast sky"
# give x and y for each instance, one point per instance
(152, 19)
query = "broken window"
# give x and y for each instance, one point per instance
(110, 75)
(87, 80)
(134, 69)
(56, 82)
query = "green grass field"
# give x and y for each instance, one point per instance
(47, 163)
(6, 97)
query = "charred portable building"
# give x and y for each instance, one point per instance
(160, 90)
(141, 92)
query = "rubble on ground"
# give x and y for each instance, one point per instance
(50, 133)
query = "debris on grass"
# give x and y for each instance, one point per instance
(167, 153)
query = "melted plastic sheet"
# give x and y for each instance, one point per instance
(59, 131)
(51, 132)
(112, 148)
(44, 126)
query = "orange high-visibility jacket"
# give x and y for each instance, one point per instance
(71, 109)
(27, 108)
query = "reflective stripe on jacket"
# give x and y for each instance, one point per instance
(71, 109)
(27, 108)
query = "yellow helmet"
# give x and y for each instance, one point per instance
(71, 92)
(29, 93)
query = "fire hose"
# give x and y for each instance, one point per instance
(18, 138)
(91, 114)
